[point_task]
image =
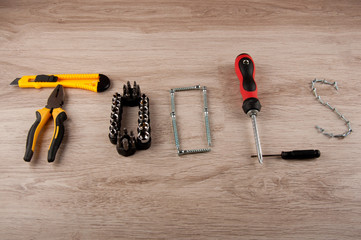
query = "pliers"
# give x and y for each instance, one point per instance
(55, 102)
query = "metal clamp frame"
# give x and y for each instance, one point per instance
(174, 123)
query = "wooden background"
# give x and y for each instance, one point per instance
(91, 192)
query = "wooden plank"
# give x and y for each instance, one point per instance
(91, 192)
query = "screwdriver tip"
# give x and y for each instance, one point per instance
(260, 159)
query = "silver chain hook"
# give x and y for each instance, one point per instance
(342, 117)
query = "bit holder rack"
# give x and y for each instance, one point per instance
(127, 144)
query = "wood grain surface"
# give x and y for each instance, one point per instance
(91, 192)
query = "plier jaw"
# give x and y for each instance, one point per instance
(53, 108)
(56, 98)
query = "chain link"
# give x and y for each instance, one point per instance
(326, 104)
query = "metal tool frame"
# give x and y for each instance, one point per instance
(174, 123)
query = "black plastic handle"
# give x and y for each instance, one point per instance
(42, 116)
(301, 154)
(59, 118)
(103, 84)
(246, 68)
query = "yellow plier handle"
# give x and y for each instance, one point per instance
(42, 116)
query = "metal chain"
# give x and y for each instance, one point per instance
(318, 97)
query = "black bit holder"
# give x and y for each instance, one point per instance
(127, 144)
(143, 140)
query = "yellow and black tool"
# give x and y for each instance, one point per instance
(93, 82)
(55, 101)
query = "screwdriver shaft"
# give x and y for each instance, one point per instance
(267, 155)
(256, 138)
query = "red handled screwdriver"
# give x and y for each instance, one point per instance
(245, 71)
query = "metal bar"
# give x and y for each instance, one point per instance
(202, 150)
(196, 87)
(174, 123)
(208, 131)
(267, 155)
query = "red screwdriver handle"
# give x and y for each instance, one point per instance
(245, 70)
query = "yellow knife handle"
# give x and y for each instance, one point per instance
(80, 84)
(94, 82)
(42, 116)
(59, 116)
(94, 76)
(82, 81)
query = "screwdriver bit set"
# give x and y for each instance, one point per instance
(127, 144)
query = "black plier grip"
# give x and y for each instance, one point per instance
(59, 116)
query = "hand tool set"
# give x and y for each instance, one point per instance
(53, 108)
(92, 82)
(245, 71)
(174, 123)
(127, 144)
(342, 117)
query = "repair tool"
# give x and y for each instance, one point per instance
(93, 82)
(295, 154)
(174, 123)
(342, 117)
(245, 71)
(55, 101)
(127, 144)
